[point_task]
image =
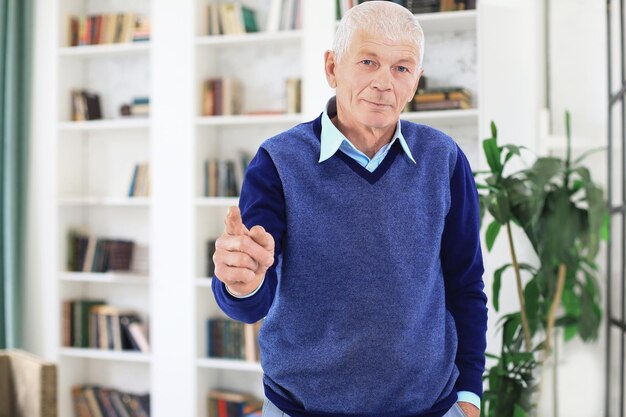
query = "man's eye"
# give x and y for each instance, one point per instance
(367, 62)
(403, 69)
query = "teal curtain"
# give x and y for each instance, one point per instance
(15, 83)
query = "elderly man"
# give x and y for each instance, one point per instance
(358, 241)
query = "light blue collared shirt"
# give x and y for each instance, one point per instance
(332, 140)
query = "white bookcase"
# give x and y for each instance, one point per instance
(94, 163)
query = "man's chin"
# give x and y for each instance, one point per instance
(376, 120)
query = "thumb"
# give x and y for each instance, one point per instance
(233, 222)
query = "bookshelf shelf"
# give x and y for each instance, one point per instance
(217, 201)
(249, 120)
(269, 38)
(228, 364)
(104, 278)
(105, 201)
(463, 20)
(447, 117)
(107, 50)
(108, 355)
(105, 125)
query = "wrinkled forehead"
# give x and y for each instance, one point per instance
(396, 41)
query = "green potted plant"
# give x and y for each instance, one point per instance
(563, 215)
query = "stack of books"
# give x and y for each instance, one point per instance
(229, 19)
(233, 339)
(415, 6)
(224, 177)
(88, 253)
(91, 323)
(226, 403)
(94, 401)
(442, 98)
(85, 105)
(107, 28)
(284, 15)
(222, 96)
(140, 181)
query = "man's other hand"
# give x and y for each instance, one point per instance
(470, 410)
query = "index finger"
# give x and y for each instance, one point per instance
(234, 223)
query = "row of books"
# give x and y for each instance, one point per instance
(229, 19)
(223, 96)
(92, 323)
(284, 15)
(139, 107)
(98, 401)
(140, 181)
(109, 28)
(415, 6)
(224, 177)
(210, 250)
(88, 253)
(232, 339)
(227, 403)
(441, 98)
(85, 105)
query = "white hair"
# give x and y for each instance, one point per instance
(383, 18)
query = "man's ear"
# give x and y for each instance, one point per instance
(330, 66)
(417, 82)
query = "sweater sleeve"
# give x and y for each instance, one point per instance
(462, 265)
(262, 202)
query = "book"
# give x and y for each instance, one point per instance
(442, 105)
(273, 17)
(80, 321)
(227, 403)
(210, 250)
(232, 339)
(81, 407)
(294, 96)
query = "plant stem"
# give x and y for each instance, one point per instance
(555, 304)
(520, 290)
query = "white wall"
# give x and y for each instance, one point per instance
(513, 94)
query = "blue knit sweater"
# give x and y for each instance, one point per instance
(375, 304)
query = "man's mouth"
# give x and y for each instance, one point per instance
(377, 104)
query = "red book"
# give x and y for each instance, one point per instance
(222, 408)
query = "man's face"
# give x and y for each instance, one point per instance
(374, 80)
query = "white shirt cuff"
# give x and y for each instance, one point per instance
(248, 295)
(469, 397)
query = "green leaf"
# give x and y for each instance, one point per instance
(497, 284)
(492, 234)
(519, 412)
(512, 150)
(570, 333)
(589, 152)
(531, 298)
(492, 154)
(571, 302)
(606, 227)
(494, 130)
(545, 169)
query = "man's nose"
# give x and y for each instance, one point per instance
(382, 80)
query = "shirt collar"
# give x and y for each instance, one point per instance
(331, 138)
